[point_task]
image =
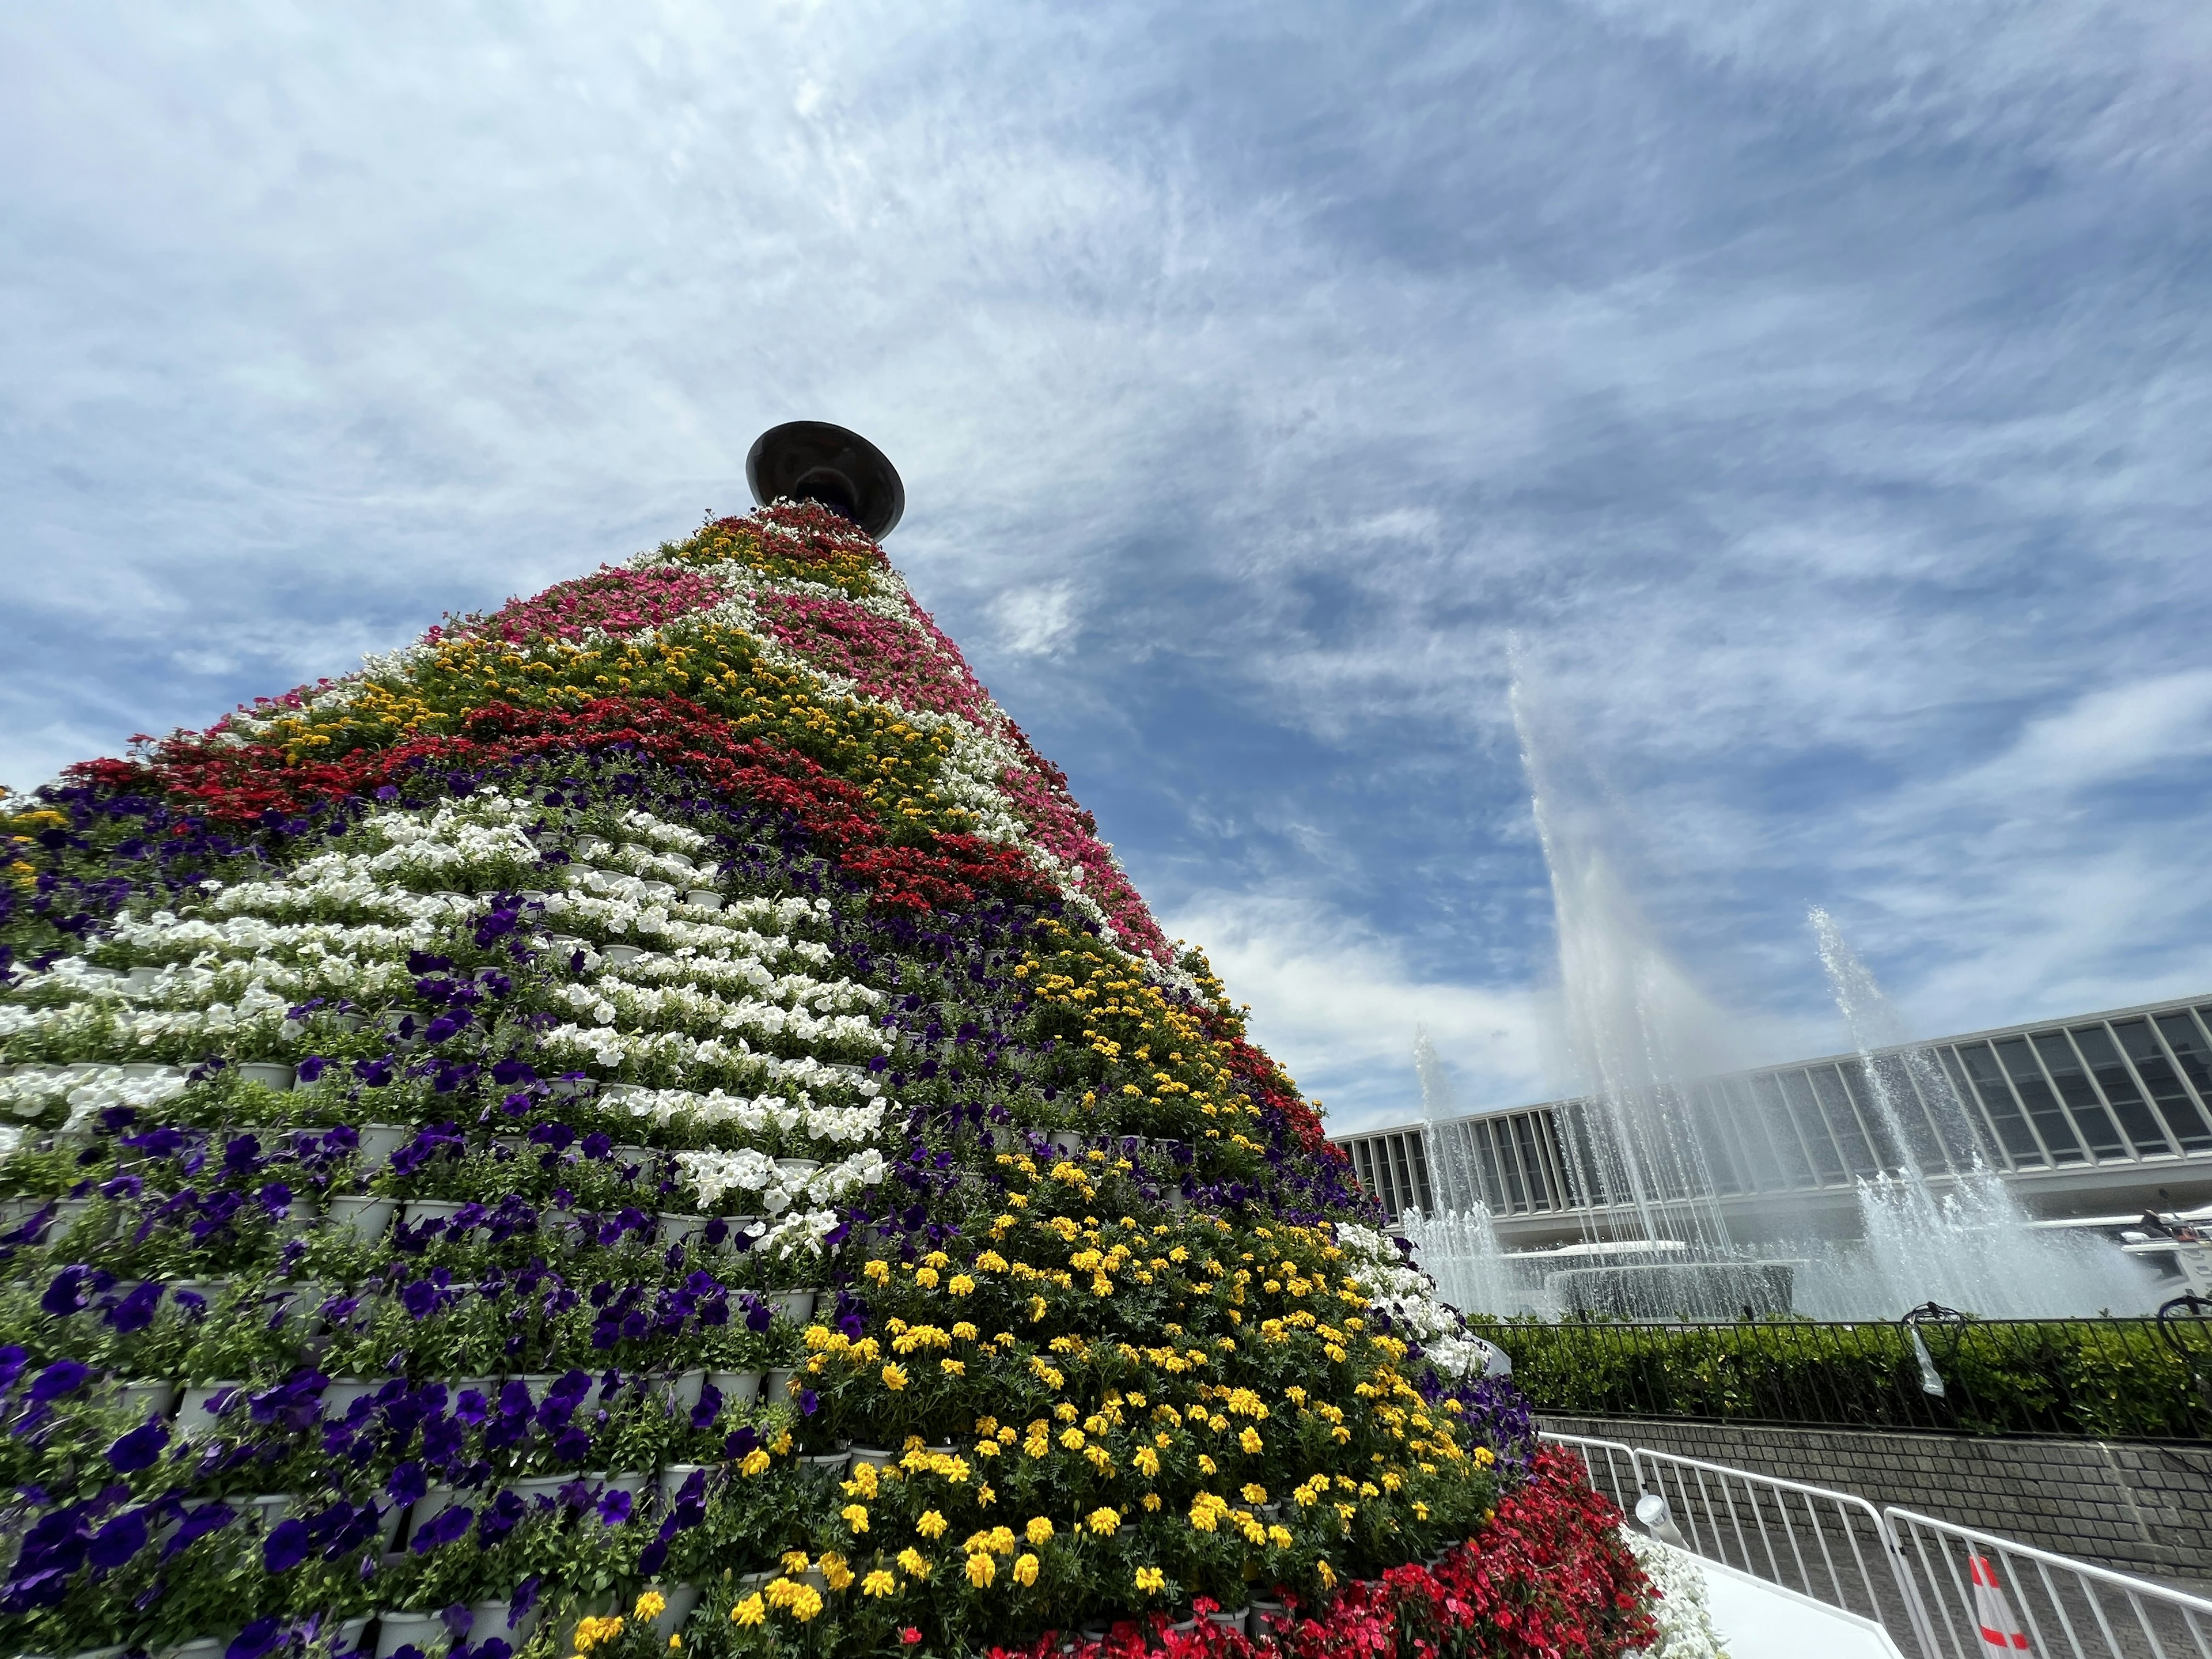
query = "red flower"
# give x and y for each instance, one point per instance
(909, 1635)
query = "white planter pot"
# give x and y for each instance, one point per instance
(425, 1632)
(825, 1466)
(531, 1487)
(673, 1476)
(737, 1387)
(379, 1141)
(875, 1457)
(270, 1074)
(143, 1400)
(683, 1600)
(796, 1167)
(193, 1419)
(685, 1388)
(365, 1216)
(204, 1647)
(616, 956)
(703, 898)
(669, 1230)
(340, 1393)
(797, 1305)
(490, 1618)
(775, 1389)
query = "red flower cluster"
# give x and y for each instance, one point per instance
(239, 784)
(1548, 1578)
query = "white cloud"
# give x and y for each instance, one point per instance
(1340, 1007)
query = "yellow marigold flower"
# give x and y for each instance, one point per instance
(834, 1570)
(1025, 1569)
(650, 1605)
(981, 1570)
(961, 1285)
(806, 1604)
(1249, 1439)
(591, 1632)
(967, 1333)
(1148, 1460)
(793, 1561)
(1279, 1536)
(1206, 1465)
(913, 1563)
(926, 1278)
(1325, 1573)
(932, 1524)
(1102, 1521)
(878, 1270)
(1253, 1493)
(953, 1367)
(750, 1611)
(895, 1377)
(856, 1517)
(1150, 1581)
(1039, 1530)
(1071, 1439)
(879, 1584)
(1000, 1540)
(756, 1461)
(1151, 1500)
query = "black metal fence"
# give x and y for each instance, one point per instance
(2111, 1379)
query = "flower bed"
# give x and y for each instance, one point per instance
(604, 1105)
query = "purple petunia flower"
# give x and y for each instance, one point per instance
(139, 1448)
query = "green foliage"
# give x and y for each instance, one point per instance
(2113, 1379)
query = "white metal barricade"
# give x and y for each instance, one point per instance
(1985, 1594)
(1831, 1546)
(1610, 1465)
(1946, 1592)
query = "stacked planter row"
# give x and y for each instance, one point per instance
(769, 1012)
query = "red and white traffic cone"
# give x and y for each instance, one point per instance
(2000, 1631)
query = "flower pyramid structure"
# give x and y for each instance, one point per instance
(654, 1112)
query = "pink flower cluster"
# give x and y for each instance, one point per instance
(1065, 830)
(887, 661)
(613, 599)
(877, 655)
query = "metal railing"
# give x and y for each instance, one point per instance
(2038, 1602)
(1611, 1467)
(1829, 1546)
(1942, 1592)
(2108, 1379)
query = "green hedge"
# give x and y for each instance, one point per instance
(2105, 1378)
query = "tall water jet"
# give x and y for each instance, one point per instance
(1627, 1006)
(1939, 1223)
(1655, 1243)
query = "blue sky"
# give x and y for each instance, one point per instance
(1820, 397)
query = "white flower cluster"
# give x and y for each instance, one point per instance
(713, 1175)
(761, 1115)
(1685, 1614)
(713, 933)
(611, 1001)
(737, 1061)
(745, 973)
(1408, 1296)
(77, 1095)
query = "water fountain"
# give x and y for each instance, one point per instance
(1938, 1223)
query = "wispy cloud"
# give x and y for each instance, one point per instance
(1823, 397)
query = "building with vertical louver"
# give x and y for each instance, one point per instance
(2100, 1114)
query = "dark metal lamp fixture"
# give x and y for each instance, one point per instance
(815, 461)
